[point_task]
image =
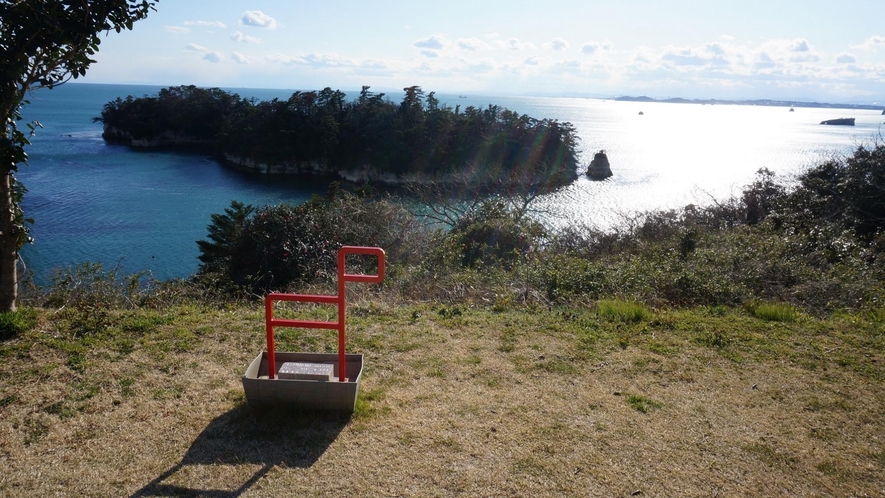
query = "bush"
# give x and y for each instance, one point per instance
(274, 247)
(850, 192)
(623, 311)
(89, 284)
(772, 312)
(283, 244)
(13, 323)
(494, 235)
(799, 245)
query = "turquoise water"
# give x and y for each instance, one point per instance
(145, 210)
(92, 201)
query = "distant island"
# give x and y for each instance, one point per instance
(370, 139)
(762, 102)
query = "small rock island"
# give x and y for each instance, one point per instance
(599, 168)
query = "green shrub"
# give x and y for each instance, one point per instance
(773, 312)
(274, 247)
(562, 277)
(283, 244)
(494, 235)
(642, 404)
(799, 244)
(623, 311)
(90, 285)
(13, 323)
(851, 190)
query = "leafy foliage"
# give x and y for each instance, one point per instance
(13, 323)
(284, 244)
(774, 243)
(197, 113)
(772, 312)
(225, 230)
(274, 247)
(849, 192)
(622, 311)
(494, 234)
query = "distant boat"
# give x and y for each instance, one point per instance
(462, 96)
(641, 113)
(839, 122)
(792, 110)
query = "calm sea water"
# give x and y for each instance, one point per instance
(145, 210)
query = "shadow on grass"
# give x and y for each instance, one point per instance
(270, 437)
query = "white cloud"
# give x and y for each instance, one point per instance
(557, 44)
(240, 37)
(747, 70)
(258, 19)
(592, 47)
(709, 54)
(196, 48)
(643, 55)
(209, 24)
(480, 66)
(531, 61)
(714, 48)
(871, 43)
(570, 64)
(315, 60)
(764, 61)
(472, 44)
(239, 58)
(799, 45)
(515, 44)
(789, 51)
(178, 30)
(214, 57)
(429, 53)
(208, 54)
(435, 42)
(373, 64)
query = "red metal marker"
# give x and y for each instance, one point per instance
(340, 300)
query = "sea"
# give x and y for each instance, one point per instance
(144, 210)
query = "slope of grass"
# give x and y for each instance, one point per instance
(455, 400)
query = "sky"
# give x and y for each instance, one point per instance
(808, 50)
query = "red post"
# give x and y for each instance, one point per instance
(342, 315)
(340, 300)
(268, 321)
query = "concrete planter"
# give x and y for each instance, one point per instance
(330, 395)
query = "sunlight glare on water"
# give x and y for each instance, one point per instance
(678, 154)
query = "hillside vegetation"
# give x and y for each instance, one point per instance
(735, 349)
(817, 244)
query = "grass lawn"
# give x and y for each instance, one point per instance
(612, 400)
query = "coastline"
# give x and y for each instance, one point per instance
(758, 102)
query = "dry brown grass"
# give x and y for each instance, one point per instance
(456, 401)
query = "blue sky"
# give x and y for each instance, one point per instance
(748, 49)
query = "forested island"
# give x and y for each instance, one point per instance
(368, 139)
